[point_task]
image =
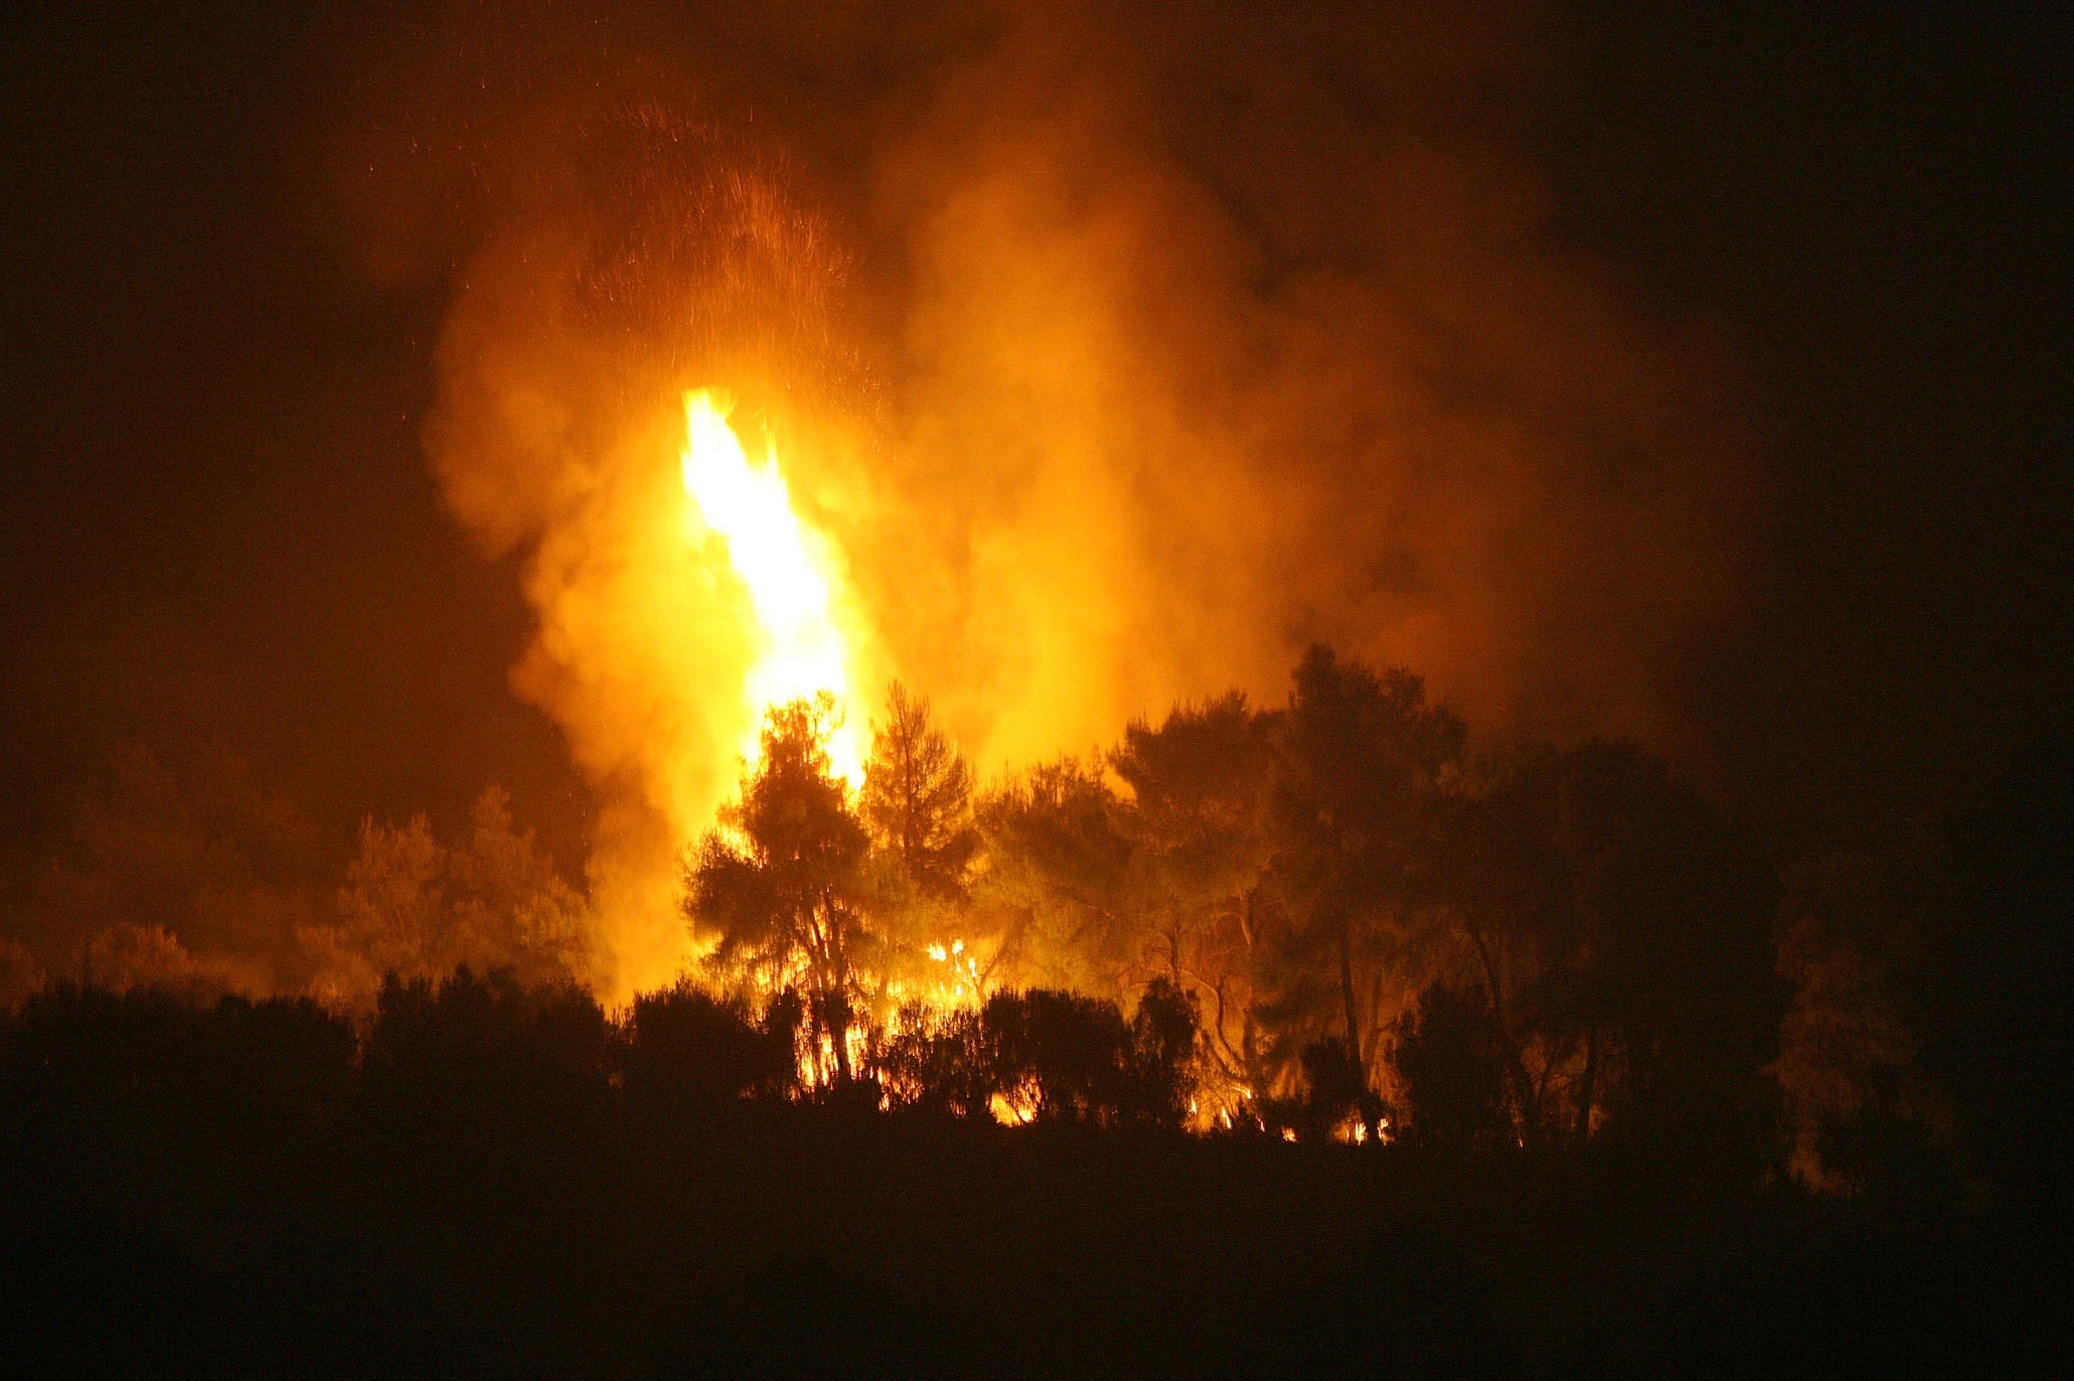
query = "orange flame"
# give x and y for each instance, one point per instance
(792, 574)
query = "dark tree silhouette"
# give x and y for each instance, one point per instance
(1356, 811)
(937, 1062)
(1451, 1074)
(1860, 1115)
(1160, 1065)
(1513, 902)
(780, 881)
(141, 1061)
(1057, 890)
(1992, 998)
(685, 1045)
(1677, 982)
(1336, 1089)
(1050, 1057)
(1062, 1055)
(488, 1052)
(1197, 821)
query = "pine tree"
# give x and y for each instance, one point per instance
(917, 797)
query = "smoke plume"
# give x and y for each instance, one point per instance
(1122, 351)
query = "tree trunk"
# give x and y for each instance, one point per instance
(1256, 1080)
(839, 1031)
(1591, 1074)
(838, 990)
(1529, 1106)
(1371, 1123)
(1346, 989)
(1249, 1053)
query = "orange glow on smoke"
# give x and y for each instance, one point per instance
(791, 573)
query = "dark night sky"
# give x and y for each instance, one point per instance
(1872, 199)
(215, 518)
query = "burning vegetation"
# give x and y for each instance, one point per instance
(1336, 918)
(841, 1146)
(1329, 917)
(1127, 603)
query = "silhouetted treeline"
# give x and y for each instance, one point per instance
(488, 1178)
(1048, 1056)
(1929, 1049)
(125, 1064)
(1566, 945)
(487, 1049)
(1385, 932)
(184, 873)
(1337, 917)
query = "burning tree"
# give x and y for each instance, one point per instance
(780, 880)
(918, 798)
(1057, 887)
(917, 804)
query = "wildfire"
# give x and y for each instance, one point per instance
(790, 571)
(958, 983)
(1017, 1108)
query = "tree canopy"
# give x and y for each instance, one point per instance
(779, 883)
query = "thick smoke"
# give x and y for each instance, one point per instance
(1124, 352)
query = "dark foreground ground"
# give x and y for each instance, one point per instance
(781, 1241)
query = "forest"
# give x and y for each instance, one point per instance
(990, 688)
(1166, 1022)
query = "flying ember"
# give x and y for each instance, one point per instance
(790, 571)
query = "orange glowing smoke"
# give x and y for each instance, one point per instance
(791, 573)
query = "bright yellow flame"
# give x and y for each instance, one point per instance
(790, 571)
(959, 983)
(1016, 1108)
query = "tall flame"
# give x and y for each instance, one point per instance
(790, 571)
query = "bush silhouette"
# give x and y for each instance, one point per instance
(1160, 1082)
(486, 1048)
(685, 1045)
(938, 1063)
(1452, 1070)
